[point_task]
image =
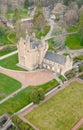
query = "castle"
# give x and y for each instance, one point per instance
(33, 53)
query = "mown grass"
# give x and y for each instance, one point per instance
(4, 52)
(7, 85)
(73, 42)
(62, 111)
(10, 62)
(22, 99)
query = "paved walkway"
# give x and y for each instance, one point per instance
(78, 125)
(12, 95)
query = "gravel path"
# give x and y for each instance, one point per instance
(29, 78)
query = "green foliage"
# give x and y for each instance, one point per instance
(66, 2)
(81, 76)
(34, 97)
(66, 54)
(81, 27)
(79, 2)
(16, 15)
(78, 58)
(39, 21)
(81, 68)
(40, 34)
(20, 124)
(70, 74)
(26, 4)
(3, 36)
(41, 94)
(37, 95)
(62, 78)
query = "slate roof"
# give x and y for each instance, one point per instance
(60, 59)
(34, 43)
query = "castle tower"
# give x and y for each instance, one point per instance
(31, 52)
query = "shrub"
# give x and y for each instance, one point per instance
(20, 125)
(37, 95)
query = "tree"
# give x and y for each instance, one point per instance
(66, 2)
(41, 94)
(80, 2)
(18, 30)
(16, 15)
(26, 4)
(34, 97)
(37, 95)
(39, 21)
(81, 27)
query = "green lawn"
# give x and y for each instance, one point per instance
(62, 111)
(22, 99)
(72, 28)
(7, 86)
(7, 50)
(4, 52)
(10, 62)
(73, 42)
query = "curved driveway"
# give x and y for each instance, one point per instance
(29, 78)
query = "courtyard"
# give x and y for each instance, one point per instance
(60, 112)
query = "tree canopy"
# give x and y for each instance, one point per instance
(26, 4)
(39, 21)
(81, 27)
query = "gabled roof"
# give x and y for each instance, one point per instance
(60, 59)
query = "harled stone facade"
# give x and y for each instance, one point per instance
(31, 52)
(34, 53)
